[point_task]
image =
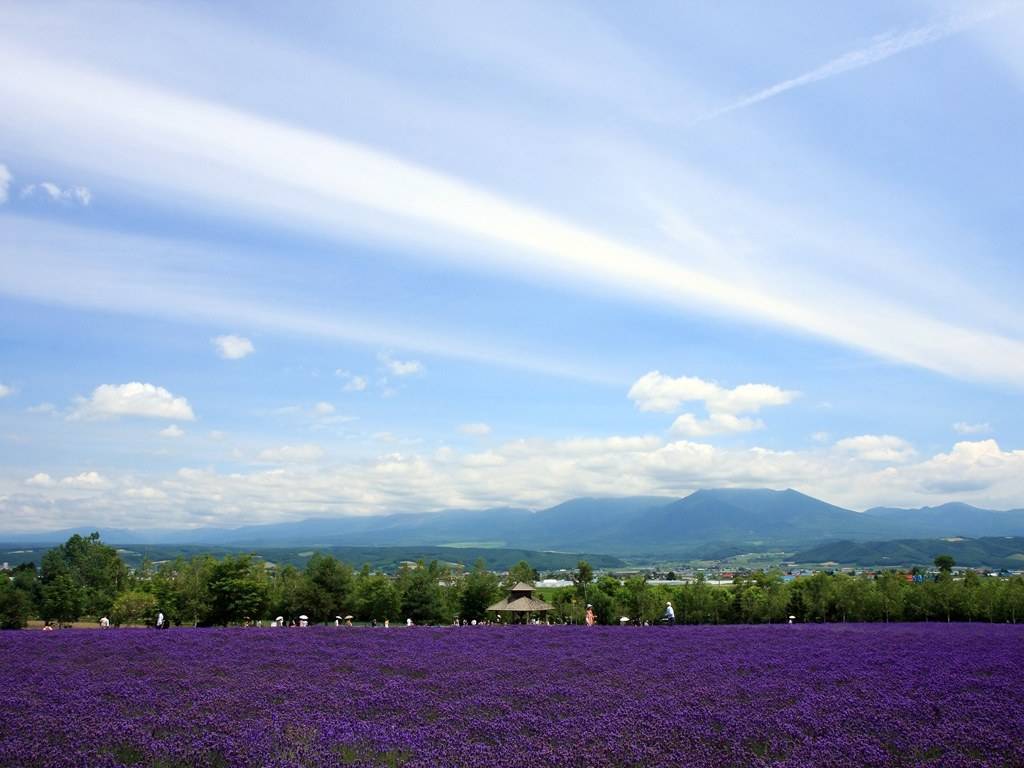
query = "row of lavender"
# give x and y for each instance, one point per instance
(856, 695)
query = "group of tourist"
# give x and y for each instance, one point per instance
(161, 622)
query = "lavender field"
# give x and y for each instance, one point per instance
(835, 695)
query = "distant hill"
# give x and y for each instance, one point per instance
(993, 552)
(747, 515)
(749, 519)
(378, 558)
(952, 519)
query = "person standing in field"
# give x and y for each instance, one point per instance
(591, 618)
(105, 623)
(160, 620)
(669, 617)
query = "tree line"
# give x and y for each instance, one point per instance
(85, 578)
(769, 597)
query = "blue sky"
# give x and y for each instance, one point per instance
(332, 260)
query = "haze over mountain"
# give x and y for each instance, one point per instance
(625, 525)
(953, 519)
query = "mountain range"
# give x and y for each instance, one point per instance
(633, 525)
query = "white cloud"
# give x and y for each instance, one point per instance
(353, 383)
(145, 492)
(232, 347)
(821, 437)
(323, 409)
(40, 479)
(881, 48)
(43, 408)
(400, 367)
(5, 183)
(688, 425)
(475, 429)
(877, 448)
(972, 466)
(85, 480)
(485, 459)
(292, 454)
(532, 473)
(80, 195)
(172, 431)
(966, 428)
(654, 391)
(132, 399)
(216, 434)
(5, 390)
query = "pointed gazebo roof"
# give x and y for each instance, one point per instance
(521, 600)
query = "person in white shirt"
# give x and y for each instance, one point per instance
(105, 622)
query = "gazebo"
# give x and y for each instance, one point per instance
(521, 600)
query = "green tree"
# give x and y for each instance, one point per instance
(479, 589)
(565, 604)
(776, 597)
(639, 602)
(420, 591)
(180, 588)
(1013, 597)
(945, 563)
(376, 597)
(327, 588)
(695, 603)
(94, 568)
(890, 587)
(944, 595)
(286, 592)
(818, 595)
(850, 596)
(988, 598)
(521, 571)
(749, 600)
(238, 590)
(917, 602)
(582, 578)
(970, 589)
(133, 607)
(15, 604)
(60, 596)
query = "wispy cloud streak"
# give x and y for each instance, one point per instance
(882, 47)
(242, 165)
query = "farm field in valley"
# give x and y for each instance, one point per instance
(801, 695)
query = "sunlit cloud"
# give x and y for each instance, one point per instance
(132, 399)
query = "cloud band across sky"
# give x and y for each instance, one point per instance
(249, 166)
